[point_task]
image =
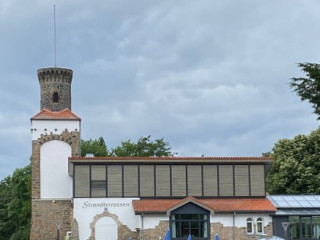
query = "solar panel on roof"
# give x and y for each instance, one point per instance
(289, 198)
(299, 198)
(294, 204)
(317, 197)
(283, 204)
(310, 198)
(276, 197)
(296, 201)
(305, 204)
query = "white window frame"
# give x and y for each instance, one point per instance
(260, 221)
(249, 221)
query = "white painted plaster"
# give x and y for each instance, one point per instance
(151, 221)
(106, 228)
(55, 182)
(240, 219)
(85, 209)
(39, 127)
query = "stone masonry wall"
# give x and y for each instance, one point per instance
(72, 139)
(226, 233)
(48, 216)
(55, 80)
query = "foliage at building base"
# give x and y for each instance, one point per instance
(15, 205)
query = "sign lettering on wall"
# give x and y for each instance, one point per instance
(88, 204)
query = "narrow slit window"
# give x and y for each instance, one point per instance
(55, 97)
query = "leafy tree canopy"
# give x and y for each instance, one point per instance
(144, 147)
(15, 205)
(97, 147)
(296, 166)
(309, 88)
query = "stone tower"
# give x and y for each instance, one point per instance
(55, 137)
(55, 87)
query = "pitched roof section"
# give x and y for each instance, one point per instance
(190, 199)
(170, 159)
(46, 114)
(223, 205)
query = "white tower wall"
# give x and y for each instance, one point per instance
(55, 180)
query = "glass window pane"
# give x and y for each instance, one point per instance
(98, 189)
(306, 227)
(184, 229)
(294, 227)
(249, 225)
(185, 224)
(194, 229)
(204, 229)
(316, 227)
(259, 226)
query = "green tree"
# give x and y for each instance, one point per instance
(6, 228)
(296, 166)
(97, 147)
(15, 205)
(143, 148)
(309, 88)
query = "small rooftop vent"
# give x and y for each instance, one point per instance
(90, 155)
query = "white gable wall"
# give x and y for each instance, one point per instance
(55, 182)
(39, 127)
(240, 220)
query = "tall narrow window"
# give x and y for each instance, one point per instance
(305, 227)
(316, 227)
(294, 230)
(259, 226)
(55, 97)
(249, 226)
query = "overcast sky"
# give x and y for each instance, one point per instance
(210, 77)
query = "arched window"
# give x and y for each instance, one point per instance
(55, 97)
(249, 226)
(259, 225)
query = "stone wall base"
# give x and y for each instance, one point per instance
(225, 233)
(50, 218)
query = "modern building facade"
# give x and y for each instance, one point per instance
(297, 216)
(116, 198)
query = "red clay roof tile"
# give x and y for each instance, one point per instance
(222, 205)
(46, 114)
(191, 159)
